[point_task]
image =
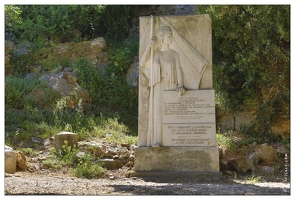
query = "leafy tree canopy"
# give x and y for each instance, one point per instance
(63, 23)
(251, 56)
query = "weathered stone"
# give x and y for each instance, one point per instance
(266, 169)
(21, 164)
(240, 164)
(98, 44)
(282, 149)
(177, 159)
(111, 164)
(8, 148)
(66, 84)
(252, 161)
(94, 50)
(10, 162)
(226, 160)
(132, 75)
(266, 154)
(227, 121)
(123, 153)
(71, 138)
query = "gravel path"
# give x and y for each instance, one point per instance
(24, 183)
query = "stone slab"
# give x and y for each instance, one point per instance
(176, 159)
(192, 42)
(189, 135)
(195, 106)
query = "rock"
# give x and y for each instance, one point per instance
(240, 164)
(227, 158)
(8, 148)
(10, 161)
(267, 170)
(252, 161)
(66, 84)
(131, 158)
(92, 147)
(21, 164)
(282, 149)
(266, 154)
(98, 44)
(123, 153)
(111, 164)
(94, 50)
(37, 140)
(227, 172)
(71, 138)
(133, 75)
(47, 142)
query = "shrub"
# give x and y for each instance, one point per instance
(30, 92)
(226, 142)
(88, 168)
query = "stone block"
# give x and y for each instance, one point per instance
(71, 138)
(10, 162)
(176, 159)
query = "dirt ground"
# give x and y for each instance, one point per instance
(119, 183)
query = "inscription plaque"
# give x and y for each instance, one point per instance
(189, 120)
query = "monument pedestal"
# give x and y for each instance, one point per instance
(199, 163)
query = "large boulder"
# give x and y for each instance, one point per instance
(21, 160)
(65, 83)
(266, 155)
(226, 160)
(132, 75)
(94, 50)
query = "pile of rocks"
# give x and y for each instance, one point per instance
(111, 156)
(258, 158)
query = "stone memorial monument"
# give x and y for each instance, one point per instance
(176, 124)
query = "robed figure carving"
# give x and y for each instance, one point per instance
(169, 62)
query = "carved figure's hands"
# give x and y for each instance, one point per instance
(153, 41)
(180, 90)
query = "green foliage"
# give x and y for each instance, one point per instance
(254, 179)
(116, 22)
(12, 18)
(83, 166)
(251, 58)
(88, 168)
(50, 163)
(226, 142)
(19, 64)
(67, 155)
(20, 126)
(27, 92)
(29, 151)
(111, 88)
(122, 56)
(42, 24)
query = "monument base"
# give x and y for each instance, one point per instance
(176, 161)
(196, 163)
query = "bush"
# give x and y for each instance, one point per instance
(42, 24)
(27, 92)
(226, 142)
(88, 168)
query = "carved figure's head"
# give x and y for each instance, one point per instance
(162, 32)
